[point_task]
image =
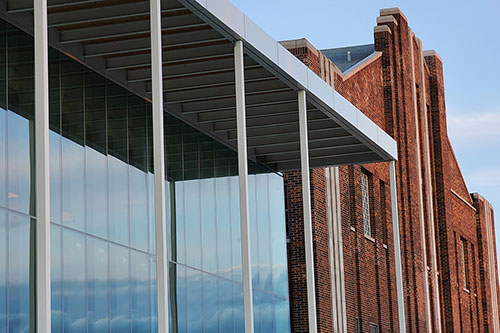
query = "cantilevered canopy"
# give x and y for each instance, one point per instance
(112, 38)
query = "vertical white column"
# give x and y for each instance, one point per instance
(397, 247)
(239, 70)
(159, 168)
(306, 200)
(43, 307)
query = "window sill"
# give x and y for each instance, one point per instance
(385, 246)
(353, 229)
(370, 238)
(467, 290)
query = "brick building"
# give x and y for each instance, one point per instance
(447, 234)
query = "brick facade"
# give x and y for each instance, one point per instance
(448, 251)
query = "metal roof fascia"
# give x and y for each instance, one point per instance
(234, 25)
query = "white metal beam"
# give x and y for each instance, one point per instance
(159, 168)
(306, 200)
(43, 306)
(239, 68)
(397, 247)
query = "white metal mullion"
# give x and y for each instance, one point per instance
(243, 185)
(397, 248)
(306, 200)
(43, 291)
(159, 168)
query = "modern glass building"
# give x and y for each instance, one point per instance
(103, 202)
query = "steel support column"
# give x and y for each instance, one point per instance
(397, 247)
(306, 200)
(43, 306)
(159, 168)
(239, 69)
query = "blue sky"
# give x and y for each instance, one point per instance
(466, 34)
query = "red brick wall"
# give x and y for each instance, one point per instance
(383, 91)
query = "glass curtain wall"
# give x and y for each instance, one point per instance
(103, 245)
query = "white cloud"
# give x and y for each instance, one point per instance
(474, 125)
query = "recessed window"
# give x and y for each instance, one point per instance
(373, 328)
(365, 196)
(465, 263)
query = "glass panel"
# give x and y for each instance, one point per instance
(3, 271)
(179, 305)
(153, 298)
(19, 163)
(254, 232)
(239, 311)
(97, 285)
(116, 98)
(225, 299)
(73, 281)
(208, 226)
(223, 209)
(151, 213)
(119, 288)
(118, 200)
(72, 116)
(54, 91)
(194, 296)
(234, 198)
(278, 234)
(264, 241)
(95, 111)
(3, 157)
(55, 177)
(281, 314)
(256, 311)
(266, 312)
(138, 209)
(73, 184)
(97, 194)
(56, 277)
(210, 304)
(192, 220)
(18, 272)
(179, 222)
(140, 293)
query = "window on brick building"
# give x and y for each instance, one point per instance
(373, 328)
(357, 326)
(465, 263)
(365, 197)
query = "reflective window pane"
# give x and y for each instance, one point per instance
(19, 163)
(278, 234)
(208, 226)
(264, 240)
(3, 271)
(178, 234)
(56, 277)
(140, 293)
(223, 209)
(97, 285)
(235, 226)
(96, 193)
(210, 304)
(281, 314)
(194, 296)
(19, 230)
(192, 223)
(138, 209)
(73, 281)
(55, 177)
(3, 157)
(119, 288)
(118, 200)
(73, 184)
(225, 300)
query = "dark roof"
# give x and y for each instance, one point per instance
(339, 55)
